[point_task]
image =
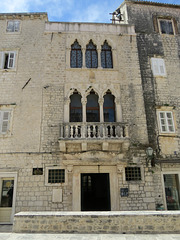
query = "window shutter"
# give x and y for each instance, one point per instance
(161, 67)
(11, 59)
(155, 23)
(1, 60)
(175, 26)
(155, 66)
(5, 121)
(170, 121)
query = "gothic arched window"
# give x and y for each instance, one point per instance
(76, 55)
(75, 107)
(91, 55)
(109, 108)
(106, 56)
(92, 107)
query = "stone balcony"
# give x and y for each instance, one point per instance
(79, 136)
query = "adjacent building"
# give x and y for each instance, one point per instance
(81, 103)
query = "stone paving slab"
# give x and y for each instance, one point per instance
(22, 236)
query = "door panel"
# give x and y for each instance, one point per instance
(6, 199)
(95, 192)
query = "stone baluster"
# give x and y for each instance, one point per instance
(126, 131)
(89, 131)
(71, 131)
(75, 131)
(94, 131)
(66, 131)
(111, 131)
(83, 131)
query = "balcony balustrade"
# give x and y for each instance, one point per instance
(88, 130)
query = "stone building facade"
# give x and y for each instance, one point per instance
(79, 106)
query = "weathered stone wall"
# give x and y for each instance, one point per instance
(107, 222)
(158, 91)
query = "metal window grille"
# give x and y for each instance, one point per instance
(106, 56)
(76, 55)
(133, 173)
(56, 176)
(91, 56)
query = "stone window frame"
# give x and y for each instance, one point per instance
(118, 107)
(14, 29)
(167, 132)
(8, 52)
(158, 67)
(133, 181)
(157, 27)
(166, 20)
(55, 184)
(83, 49)
(79, 55)
(10, 175)
(9, 109)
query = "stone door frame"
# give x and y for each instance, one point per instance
(11, 175)
(114, 191)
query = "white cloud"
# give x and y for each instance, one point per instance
(14, 6)
(93, 13)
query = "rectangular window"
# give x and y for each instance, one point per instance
(133, 173)
(4, 121)
(8, 60)
(13, 26)
(158, 67)
(166, 26)
(172, 194)
(56, 176)
(166, 122)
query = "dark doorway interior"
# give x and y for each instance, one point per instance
(95, 192)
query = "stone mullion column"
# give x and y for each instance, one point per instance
(99, 58)
(84, 110)
(66, 110)
(118, 110)
(114, 58)
(68, 57)
(101, 101)
(84, 58)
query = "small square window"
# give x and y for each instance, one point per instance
(13, 26)
(166, 26)
(166, 122)
(37, 171)
(133, 173)
(56, 176)
(158, 67)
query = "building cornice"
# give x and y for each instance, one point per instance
(144, 2)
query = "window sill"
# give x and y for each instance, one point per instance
(90, 69)
(168, 134)
(7, 70)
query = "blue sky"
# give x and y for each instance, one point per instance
(69, 10)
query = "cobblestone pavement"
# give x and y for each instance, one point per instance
(15, 236)
(6, 234)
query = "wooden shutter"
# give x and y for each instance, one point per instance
(5, 116)
(11, 59)
(155, 23)
(155, 68)
(1, 60)
(175, 26)
(161, 64)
